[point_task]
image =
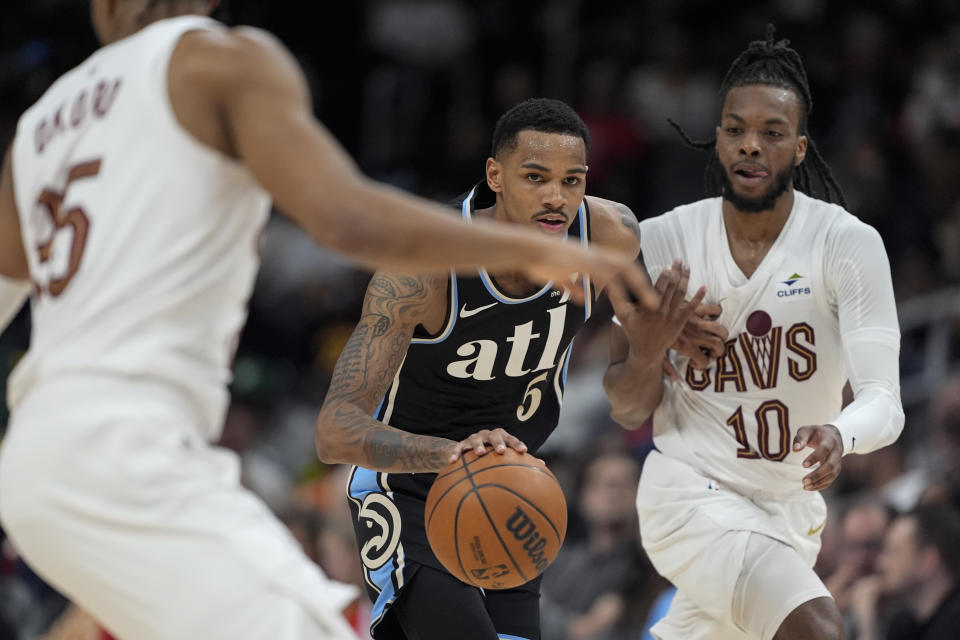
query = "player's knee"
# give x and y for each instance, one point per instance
(817, 619)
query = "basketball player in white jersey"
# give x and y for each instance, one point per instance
(131, 202)
(729, 505)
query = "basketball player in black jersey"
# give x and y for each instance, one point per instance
(440, 364)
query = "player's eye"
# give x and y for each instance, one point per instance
(732, 131)
(534, 177)
(774, 134)
(572, 180)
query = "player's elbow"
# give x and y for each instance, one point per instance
(632, 418)
(897, 418)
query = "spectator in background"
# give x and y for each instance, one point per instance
(920, 568)
(945, 462)
(591, 589)
(863, 527)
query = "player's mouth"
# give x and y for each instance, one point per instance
(750, 175)
(552, 222)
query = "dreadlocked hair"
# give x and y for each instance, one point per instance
(773, 63)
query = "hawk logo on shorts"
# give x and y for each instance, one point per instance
(378, 511)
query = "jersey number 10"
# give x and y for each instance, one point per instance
(769, 411)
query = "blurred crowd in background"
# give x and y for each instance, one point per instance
(413, 88)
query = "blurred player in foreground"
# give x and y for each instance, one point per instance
(131, 203)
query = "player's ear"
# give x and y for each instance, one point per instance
(494, 175)
(801, 152)
(212, 6)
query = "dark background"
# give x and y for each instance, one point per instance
(412, 89)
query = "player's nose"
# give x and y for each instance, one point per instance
(553, 197)
(750, 145)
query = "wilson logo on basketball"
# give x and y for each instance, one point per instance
(524, 530)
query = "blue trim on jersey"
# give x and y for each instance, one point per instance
(363, 482)
(454, 303)
(504, 636)
(465, 206)
(492, 290)
(376, 413)
(381, 577)
(566, 363)
(587, 298)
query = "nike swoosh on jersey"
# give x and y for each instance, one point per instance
(466, 313)
(812, 531)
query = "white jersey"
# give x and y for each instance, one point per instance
(142, 242)
(824, 282)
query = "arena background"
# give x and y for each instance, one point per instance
(412, 88)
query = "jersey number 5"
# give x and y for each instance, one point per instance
(63, 218)
(531, 399)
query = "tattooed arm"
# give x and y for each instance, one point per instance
(346, 431)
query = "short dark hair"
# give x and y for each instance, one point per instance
(938, 526)
(537, 114)
(771, 62)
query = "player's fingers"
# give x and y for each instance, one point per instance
(571, 286)
(684, 279)
(617, 295)
(509, 440)
(698, 358)
(686, 311)
(669, 290)
(713, 345)
(670, 370)
(802, 438)
(709, 310)
(662, 280)
(478, 442)
(635, 280)
(824, 475)
(711, 327)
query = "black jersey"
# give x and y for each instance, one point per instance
(499, 361)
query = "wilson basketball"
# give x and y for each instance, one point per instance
(496, 521)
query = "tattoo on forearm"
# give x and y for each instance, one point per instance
(365, 371)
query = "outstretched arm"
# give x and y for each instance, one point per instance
(265, 119)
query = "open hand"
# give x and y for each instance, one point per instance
(497, 438)
(651, 333)
(616, 272)
(827, 447)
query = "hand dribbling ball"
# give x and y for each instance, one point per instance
(496, 521)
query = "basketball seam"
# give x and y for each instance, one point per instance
(466, 467)
(521, 497)
(492, 525)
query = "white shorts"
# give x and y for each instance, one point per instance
(740, 565)
(111, 494)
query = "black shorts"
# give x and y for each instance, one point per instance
(414, 597)
(436, 606)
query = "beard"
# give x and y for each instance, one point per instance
(765, 201)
